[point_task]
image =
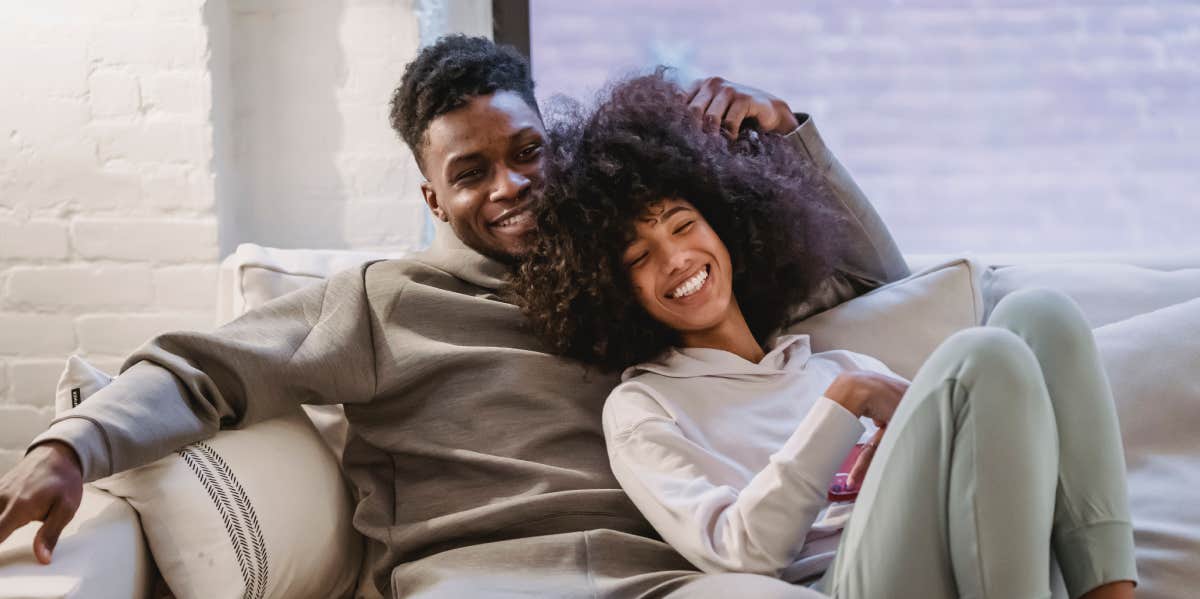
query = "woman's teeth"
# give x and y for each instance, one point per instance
(516, 219)
(691, 285)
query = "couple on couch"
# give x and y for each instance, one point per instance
(671, 234)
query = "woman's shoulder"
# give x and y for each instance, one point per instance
(634, 401)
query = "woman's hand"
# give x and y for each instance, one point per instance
(859, 471)
(867, 393)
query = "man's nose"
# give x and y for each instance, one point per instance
(510, 184)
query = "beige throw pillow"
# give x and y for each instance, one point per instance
(250, 513)
(902, 322)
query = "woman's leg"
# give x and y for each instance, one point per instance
(959, 500)
(1092, 536)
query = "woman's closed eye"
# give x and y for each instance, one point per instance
(685, 227)
(637, 260)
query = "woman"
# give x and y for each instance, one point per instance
(675, 253)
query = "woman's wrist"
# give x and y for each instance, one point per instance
(842, 391)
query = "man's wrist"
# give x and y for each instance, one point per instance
(60, 448)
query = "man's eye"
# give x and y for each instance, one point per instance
(530, 151)
(685, 226)
(469, 174)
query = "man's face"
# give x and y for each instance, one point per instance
(484, 162)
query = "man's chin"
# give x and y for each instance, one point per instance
(508, 253)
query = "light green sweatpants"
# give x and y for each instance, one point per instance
(1005, 447)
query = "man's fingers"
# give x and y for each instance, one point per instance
(736, 115)
(47, 536)
(715, 113)
(699, 104)
(11, 519)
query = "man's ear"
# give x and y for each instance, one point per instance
(431, 200)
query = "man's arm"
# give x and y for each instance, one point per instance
(869, 256)
(312, 346)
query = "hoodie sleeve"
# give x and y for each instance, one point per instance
(314, 345)
(758, 528)
(869, 256)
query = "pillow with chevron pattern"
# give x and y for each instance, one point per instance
(252, 513)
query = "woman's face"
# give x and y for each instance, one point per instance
(679, 268)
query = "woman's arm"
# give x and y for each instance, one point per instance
(691, 497)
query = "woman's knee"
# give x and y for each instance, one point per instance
(994, 358)
(1041, 315)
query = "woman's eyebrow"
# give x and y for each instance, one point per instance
(662, 218)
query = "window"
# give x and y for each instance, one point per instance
(992, 127)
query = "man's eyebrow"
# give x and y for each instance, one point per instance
(662, 218)
(457, 158)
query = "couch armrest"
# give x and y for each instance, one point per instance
(101, 554)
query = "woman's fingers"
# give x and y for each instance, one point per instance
(859, 471)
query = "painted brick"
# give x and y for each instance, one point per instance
(163, 140)
(186, 287)
(178, 92)
(33, 240)
(113, 92)
(19, 424)
(149, 44)
(120, 334)
(169, 240)
(33, 381)
(36, 334)
(79, 286)
(178, 186)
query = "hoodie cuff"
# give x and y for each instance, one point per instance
(825, 437)
(87, 439)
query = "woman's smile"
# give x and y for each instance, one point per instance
(692, 287)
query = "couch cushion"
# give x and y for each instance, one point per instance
(1106, 293)
(902, 323)
(1153, 365)
(256, 512)
(120, 570)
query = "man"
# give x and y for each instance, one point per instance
(477, 457)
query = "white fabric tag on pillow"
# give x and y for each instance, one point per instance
(79, 381)
(257, 512)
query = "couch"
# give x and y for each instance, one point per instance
(104, 551)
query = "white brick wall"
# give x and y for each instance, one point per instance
(106, 195)
(142, 140)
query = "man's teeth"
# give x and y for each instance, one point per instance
(517, 218)
(691, 285)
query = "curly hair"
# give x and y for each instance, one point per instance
(638, 146)
(446, 75)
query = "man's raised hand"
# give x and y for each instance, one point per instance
(46, 485)
(718, 102)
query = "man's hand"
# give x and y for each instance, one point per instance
(46, 485)
(718, 102)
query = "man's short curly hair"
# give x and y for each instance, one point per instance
(640, 145)
(446, 75)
